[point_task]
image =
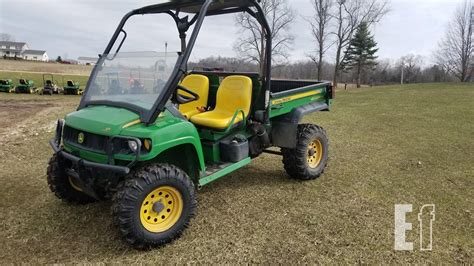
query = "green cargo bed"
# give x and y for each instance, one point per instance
(289, 94)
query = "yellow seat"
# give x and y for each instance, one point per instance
(234, 94)
(200, 85)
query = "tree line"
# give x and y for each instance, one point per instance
(344, 26)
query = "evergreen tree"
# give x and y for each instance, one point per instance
(360, 54)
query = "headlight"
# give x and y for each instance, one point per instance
(133, 145)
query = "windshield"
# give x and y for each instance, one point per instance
(136, 78)
(134, 74)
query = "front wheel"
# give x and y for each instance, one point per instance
(154, 206)
(63, 186)
(309, 159)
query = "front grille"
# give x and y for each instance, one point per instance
(91, 142)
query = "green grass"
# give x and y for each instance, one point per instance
(389, 145)
(38, 78)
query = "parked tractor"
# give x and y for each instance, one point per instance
(25, 86)
(6, 85)
(50, 86)
(150, 151)
(72, 88)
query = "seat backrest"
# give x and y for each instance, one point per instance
(235, 92)
(198, 84)
(70, 83)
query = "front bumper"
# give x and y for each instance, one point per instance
(88, 164)
(82, 170)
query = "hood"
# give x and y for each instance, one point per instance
(102, 120)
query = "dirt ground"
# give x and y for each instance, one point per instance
(388, 145)
(13, 112)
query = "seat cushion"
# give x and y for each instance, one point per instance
(198, 84)
(234, 94)
(215, 119)
(190, 113)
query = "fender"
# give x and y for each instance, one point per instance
(174, 152)
(285, 127)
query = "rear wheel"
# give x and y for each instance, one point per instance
(154, 206)
(63, 186)
(309, 159)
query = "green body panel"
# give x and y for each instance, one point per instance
(101, 120)
(282, 109)
(168, 132)
(212, 152)
(208, 179)
(282, 105)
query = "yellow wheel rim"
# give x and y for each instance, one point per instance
(161, 209)
(315, 153)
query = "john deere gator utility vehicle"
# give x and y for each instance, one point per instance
(150, 151)
(25, 86)
(72, 88)
(6, 85)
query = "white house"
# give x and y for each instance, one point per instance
(13, 49)
(21, 50)
(36, 55)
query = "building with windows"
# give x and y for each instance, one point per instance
(83, 60)
(21, 50)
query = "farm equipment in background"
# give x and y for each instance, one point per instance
(72, 88)
(6, 85)
(25, 86)
(136, 83)
(49, 85)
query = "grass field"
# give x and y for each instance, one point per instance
(52, 67)
(389, 145)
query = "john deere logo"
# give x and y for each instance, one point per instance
(80, 138)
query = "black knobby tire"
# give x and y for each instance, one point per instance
(296, 160)
(131, 195)
(60, 184)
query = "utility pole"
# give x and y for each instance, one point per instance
(403, 73)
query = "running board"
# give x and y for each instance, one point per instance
(225, 171)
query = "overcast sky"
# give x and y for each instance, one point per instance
(72, 28)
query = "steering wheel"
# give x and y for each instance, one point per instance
(181, 99)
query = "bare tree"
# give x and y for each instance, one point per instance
(410, 66)
(348, 14)
(251, 43)
(456, 50)
(320, 23)
(6, 37)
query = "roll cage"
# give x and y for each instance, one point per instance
(200, 9)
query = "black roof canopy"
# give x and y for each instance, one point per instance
(193, 6)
